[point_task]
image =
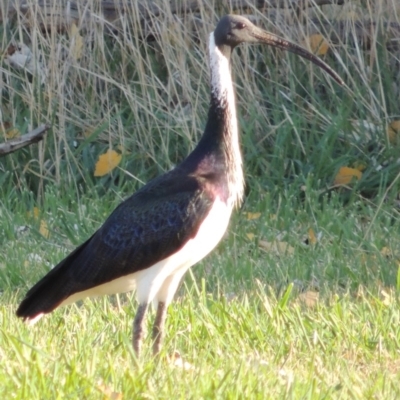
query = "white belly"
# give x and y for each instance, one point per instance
(149, 283)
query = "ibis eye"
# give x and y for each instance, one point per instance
(241, 25)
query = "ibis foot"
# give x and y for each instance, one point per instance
(158, 327)
(138, 329)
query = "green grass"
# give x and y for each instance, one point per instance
(240, 319)
(250, 347)
(268, 314)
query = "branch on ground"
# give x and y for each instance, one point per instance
(25, 140)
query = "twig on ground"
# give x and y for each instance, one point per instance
(25, 140)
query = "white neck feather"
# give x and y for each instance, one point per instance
(222, 91)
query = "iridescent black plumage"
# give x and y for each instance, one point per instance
(149, 226)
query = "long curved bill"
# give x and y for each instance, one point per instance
(276, 41)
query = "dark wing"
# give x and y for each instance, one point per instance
(147, 227)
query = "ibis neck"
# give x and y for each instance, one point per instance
(218, 152)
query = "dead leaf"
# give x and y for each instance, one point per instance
(250, 235)
(43, 229)
(250, 216)
(12, 133)
(317, 44)
(386, 296)
(311, 236)
(309, 298)
(108, 392)
(393, 132)
(35, 213)
(76, 42)
(346, 175)
(107, 162)
(276, 247)
(386, 252)
(8, 131)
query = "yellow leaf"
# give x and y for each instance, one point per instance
(393, 131)
(317, 44)
(35, 213)
(13, 133)
(311, 236)
(346, 175)
(8, 131)
(276, 247)
(44, 231)
(250, 236)
(250, 216)
(76, 42)
(107, 162)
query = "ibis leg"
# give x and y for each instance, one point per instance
(138, 328)
(158, 327)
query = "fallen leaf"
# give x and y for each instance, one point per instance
(393, 131)
(8, 131)
(107, 162)
(250, 216)
(346, 175)
(317, 44)
(276, 247)
(76, 42)
(43, 229)
(311, 236)
(309, 298)
(387, 252)
(108, 392)
(35, 213)
(12, 133)
(386, 296)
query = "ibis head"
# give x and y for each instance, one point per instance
(233, 30)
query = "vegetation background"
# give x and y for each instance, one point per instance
(301, 300)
